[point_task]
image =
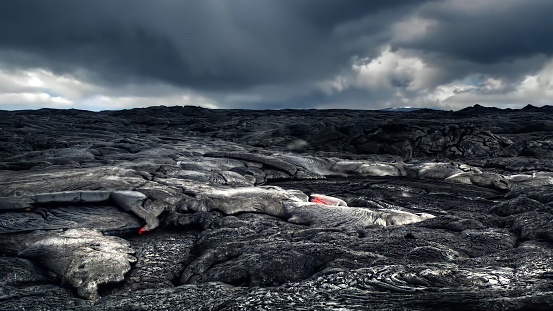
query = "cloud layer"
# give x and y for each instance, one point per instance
(275, 53)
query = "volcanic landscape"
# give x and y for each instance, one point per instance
(186, 208)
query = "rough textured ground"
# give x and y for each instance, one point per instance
(194, 209)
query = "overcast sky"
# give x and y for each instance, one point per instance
(270, 54)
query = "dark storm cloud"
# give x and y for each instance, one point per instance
(488, 31)
(207, 44)
(329, 13)
(275, 53)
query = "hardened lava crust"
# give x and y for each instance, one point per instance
(185, 208)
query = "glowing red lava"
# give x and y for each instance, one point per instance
(319, 200)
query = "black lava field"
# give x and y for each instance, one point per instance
(185, 208)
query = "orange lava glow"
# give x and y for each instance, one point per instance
(319, 200)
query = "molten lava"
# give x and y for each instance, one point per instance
(320, 201)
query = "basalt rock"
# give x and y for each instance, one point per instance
(194, 209)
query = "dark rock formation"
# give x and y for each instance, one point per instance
(193, 209)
